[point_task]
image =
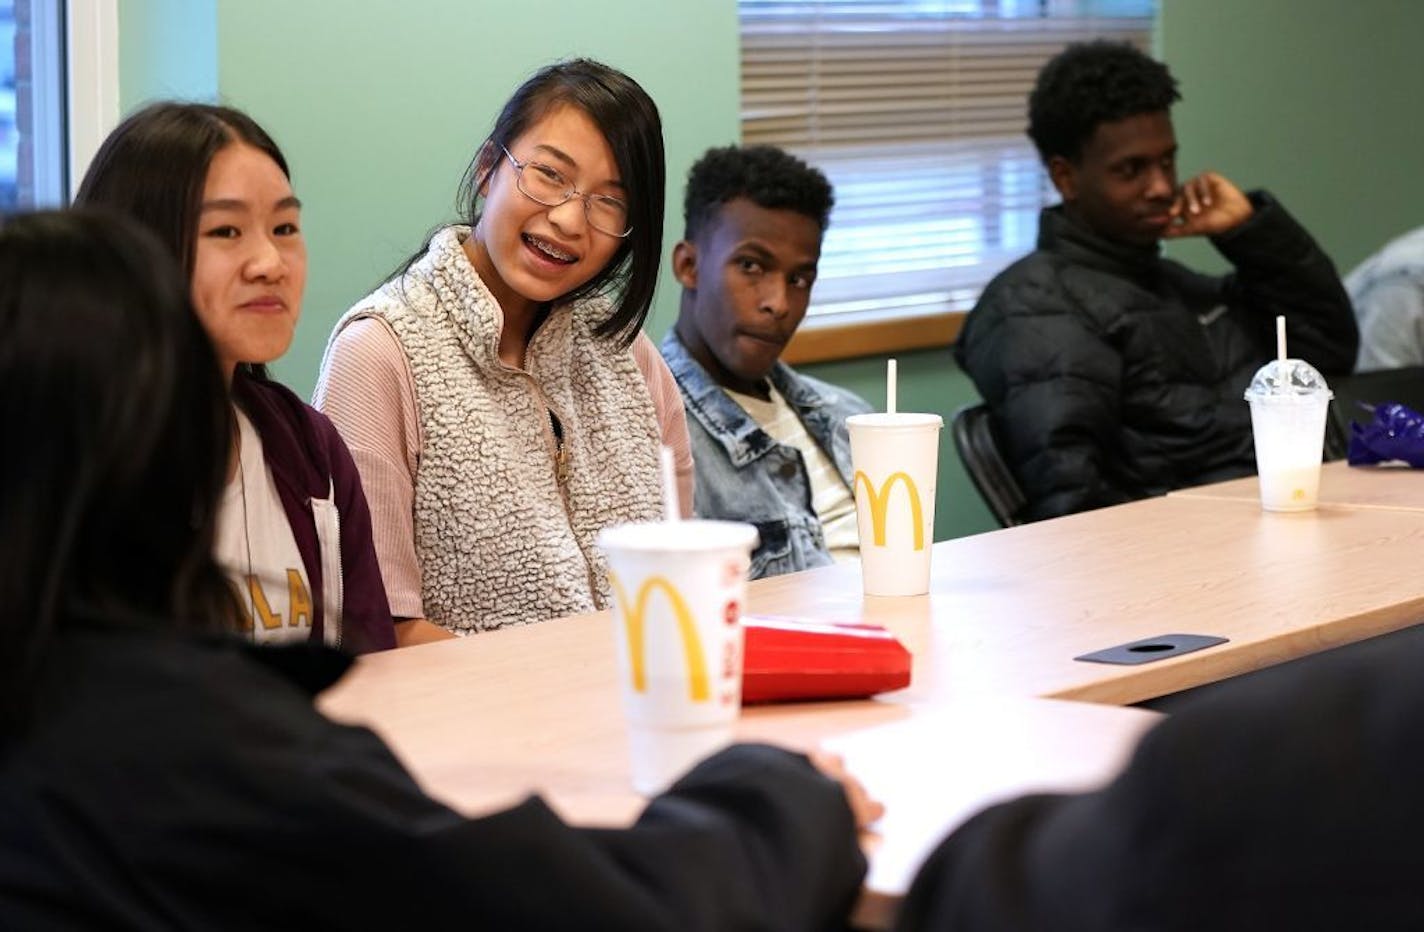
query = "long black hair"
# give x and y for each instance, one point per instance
(154, 165)
(119, 429)
(629, 120)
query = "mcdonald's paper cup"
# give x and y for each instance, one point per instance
(678, 590)
(896, 461)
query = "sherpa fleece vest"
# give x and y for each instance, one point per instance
(503, 534)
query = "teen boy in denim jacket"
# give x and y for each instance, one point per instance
(770, 445)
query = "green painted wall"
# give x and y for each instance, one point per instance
(379, 105)
(1317, 100)
(168, 48)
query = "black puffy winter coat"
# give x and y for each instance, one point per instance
(1114, 374)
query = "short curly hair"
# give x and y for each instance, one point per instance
(1089, 83)
(767, 176)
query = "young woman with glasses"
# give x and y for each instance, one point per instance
(497, 393)
(295, 531)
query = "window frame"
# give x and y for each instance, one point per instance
(92, 59)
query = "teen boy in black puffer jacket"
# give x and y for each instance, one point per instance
(1112, 373)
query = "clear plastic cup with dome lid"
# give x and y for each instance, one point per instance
(1289, 403)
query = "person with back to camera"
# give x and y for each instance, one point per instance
(770, 444)
(158, 771)
(1114, 374)
(295, 535)
(502, 405)
(1286, 800)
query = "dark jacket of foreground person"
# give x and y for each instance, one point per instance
(171, 782)
(1289, 802)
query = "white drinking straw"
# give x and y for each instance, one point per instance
(671, 509)
(1281, 343)
(890, 386)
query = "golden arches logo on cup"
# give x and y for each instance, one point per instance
(634, 627)
(878, 501)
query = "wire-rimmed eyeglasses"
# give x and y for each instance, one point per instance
(546, 185)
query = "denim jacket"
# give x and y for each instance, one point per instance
(745, 475)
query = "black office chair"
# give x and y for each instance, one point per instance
(978, 448)
(1405, 386)
(1337, 433)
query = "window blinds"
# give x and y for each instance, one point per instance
(915, 110)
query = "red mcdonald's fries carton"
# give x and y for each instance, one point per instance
(790, 658)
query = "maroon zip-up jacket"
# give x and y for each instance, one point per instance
(310, 462)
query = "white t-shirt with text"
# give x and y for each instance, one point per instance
(256, 549)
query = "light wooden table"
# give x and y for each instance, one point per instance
(484, 721)
(1009, 610)
(1384, 486)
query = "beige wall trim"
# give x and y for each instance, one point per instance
(818, 341)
